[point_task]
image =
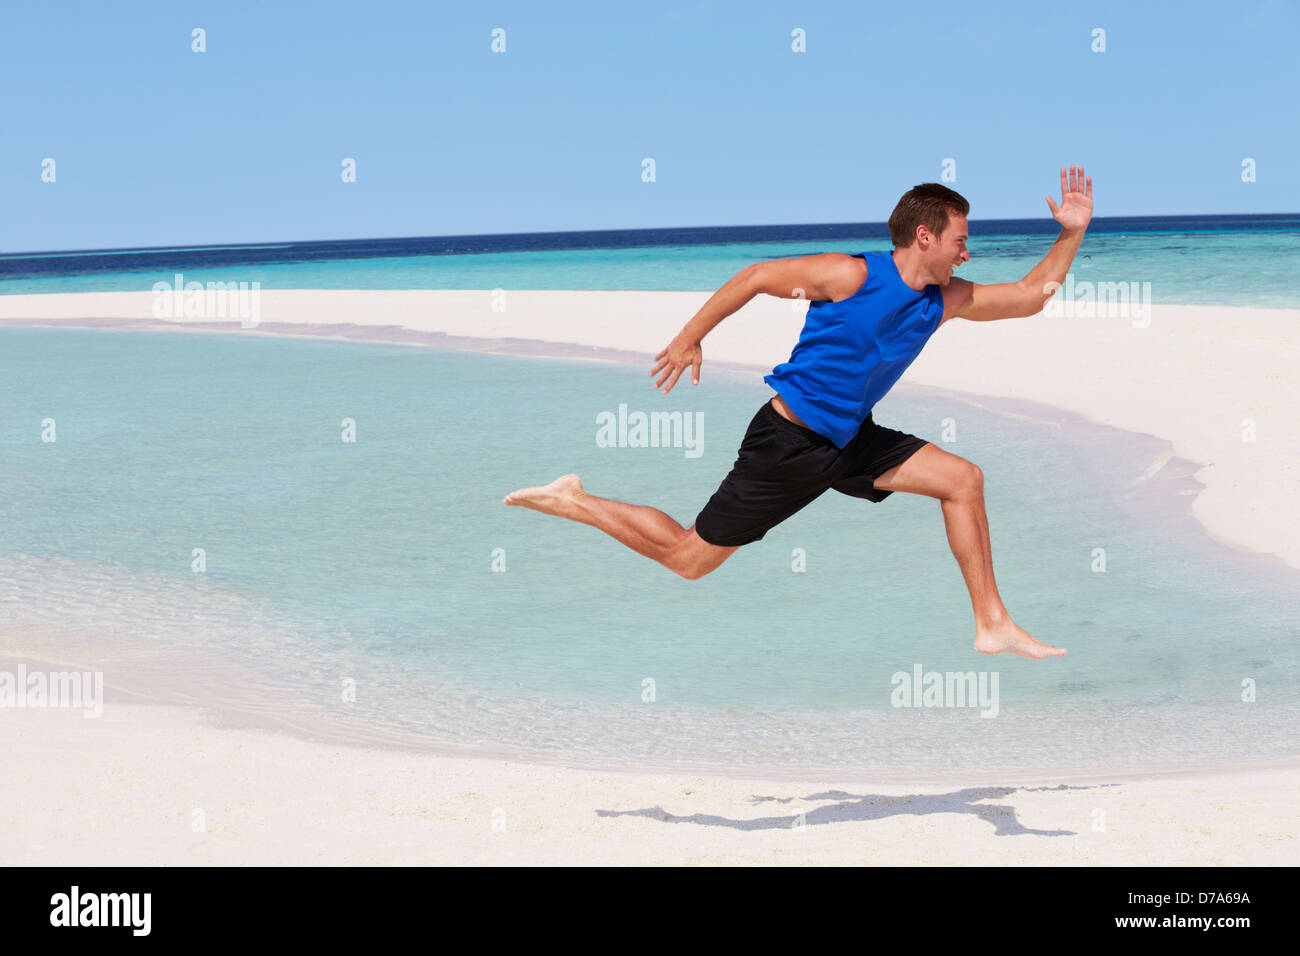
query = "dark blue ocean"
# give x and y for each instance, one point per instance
(1246, 260)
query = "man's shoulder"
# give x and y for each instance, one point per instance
(849, 272)
(956, 296)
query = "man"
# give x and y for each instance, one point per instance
(869, 317)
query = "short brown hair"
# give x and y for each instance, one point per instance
(925, 205)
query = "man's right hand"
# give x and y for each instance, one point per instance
(1075, 211)
(682, 353)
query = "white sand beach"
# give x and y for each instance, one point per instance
(1213, 382)
(124, 789)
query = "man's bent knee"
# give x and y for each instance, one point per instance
(966, 481)
(694, 557)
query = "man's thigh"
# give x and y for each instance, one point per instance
(929, 471)
(780, 469)
(876, 451)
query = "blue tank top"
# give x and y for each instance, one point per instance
(850, 353)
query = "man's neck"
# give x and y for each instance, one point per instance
(908, 271)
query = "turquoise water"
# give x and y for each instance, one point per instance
(1189, 267)
(372, 561)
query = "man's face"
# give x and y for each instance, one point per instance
(948, 251)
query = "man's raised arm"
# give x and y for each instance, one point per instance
(1012, 300)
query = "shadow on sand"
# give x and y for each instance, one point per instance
(851, 808)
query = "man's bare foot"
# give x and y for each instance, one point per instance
(557, 498)
(1009, 638)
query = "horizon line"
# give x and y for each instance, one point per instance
(271, 244)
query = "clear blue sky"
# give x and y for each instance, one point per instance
(157, 145)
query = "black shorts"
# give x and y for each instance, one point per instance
(781, 467)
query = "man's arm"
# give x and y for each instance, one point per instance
(815, 278)
(1011, 300)
(804, 277)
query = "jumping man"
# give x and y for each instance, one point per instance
(869, 316)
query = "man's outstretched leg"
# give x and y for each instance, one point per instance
(645, 530)
(959, 486)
